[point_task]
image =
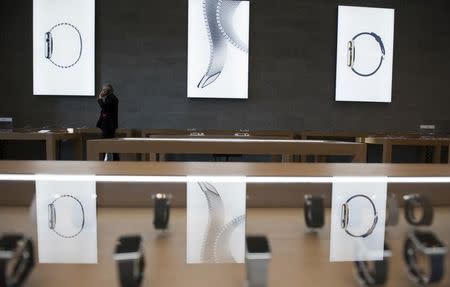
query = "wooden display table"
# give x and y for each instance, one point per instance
(389, 142)
(51, 138)
(287, 148)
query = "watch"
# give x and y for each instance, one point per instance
(351, 55)
(425, 243)
(52, 218)
(373, 273)
(314, 211)
(218, 15)
(413, 201)
(50, 43)
(258, 255)
(392, 210)
(16, 259)
(345, 216)
(129, 255)
(161, 211)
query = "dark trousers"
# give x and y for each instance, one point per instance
(110, 134)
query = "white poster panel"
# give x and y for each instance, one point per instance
(64, 47)
(218, 40)
(66, 219)
(365, 50)
(358, 220)
(216, 222)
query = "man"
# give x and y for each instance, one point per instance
(108, 120)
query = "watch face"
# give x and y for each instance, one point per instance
(428, 239)
(128, 244)
(257, 244)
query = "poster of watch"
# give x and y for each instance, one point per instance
(66, 209)
(218, 49)
(365, 49)
(358, 215)
(64, 47)
(216, 213)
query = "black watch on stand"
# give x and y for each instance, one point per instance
(16, 259)
(161, 211)
(373, 273)
(413, 201)
(129, 255)
(425, 244)
(314, 209)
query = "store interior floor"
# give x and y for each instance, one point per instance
(299, 257)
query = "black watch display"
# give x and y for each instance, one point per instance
(161, 211)
(345, 217)
(314, 209)
(129, 255)
(425, 244)
(373, 273)
(414, 201)
(257, 257)
(16, 259)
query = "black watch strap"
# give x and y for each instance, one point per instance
(413, 201)
(314, 209)
(376, 274)
(131, 272)
(418, 275)
(24, 264)
(162, 211)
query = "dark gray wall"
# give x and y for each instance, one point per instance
(142, 50)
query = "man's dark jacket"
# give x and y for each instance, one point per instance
(108, 120)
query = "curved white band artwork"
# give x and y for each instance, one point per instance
(218, 16)
(49, 44)
(215, 247)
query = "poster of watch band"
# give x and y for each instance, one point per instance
(218, 47)
(216, 222)
(358, 215)
(64, 47)
(66, 219)
(365, 48)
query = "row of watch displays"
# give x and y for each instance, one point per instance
(419, 243)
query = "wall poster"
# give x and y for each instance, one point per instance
(365, 49)
(64, 47)
(218, 40)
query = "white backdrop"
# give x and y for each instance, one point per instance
(230, 59)
(70, 70)
(65, 193)
(349, 85)
(207, 221)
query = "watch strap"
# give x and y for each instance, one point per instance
(314, 210)
(374, 276)
(128, 275)
(161, 213)
(23, 267)
(427, 210)
(418, 275)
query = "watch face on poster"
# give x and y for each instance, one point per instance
(64, 47)
(358, 220)
(365, 49)
(66, 219)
